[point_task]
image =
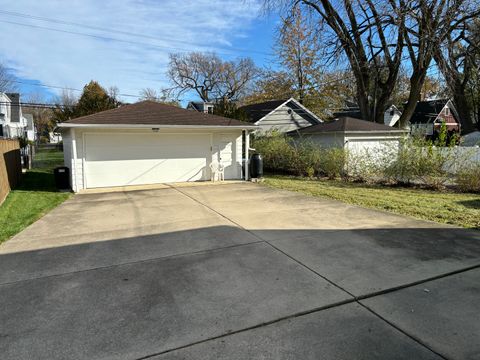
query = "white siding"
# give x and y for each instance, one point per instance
(326, 140)
(283, 120)
(67, 152)
(230, 139)
(391, 116)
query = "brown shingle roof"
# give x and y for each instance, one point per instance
(153, 113)
(346, 124)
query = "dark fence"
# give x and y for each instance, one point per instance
(10, 166)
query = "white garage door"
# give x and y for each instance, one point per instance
(136, 159)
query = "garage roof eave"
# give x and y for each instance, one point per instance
(154, 126)
(376, 132)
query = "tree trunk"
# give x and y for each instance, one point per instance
(464, 111)
(416, 83)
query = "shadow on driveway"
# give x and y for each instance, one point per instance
(222, 290)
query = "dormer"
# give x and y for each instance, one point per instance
(201, 106)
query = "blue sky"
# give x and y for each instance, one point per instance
(124, 43)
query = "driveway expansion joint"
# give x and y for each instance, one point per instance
(263, 324)
(143, 261)
(354, 298)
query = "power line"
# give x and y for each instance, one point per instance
(116, 31)
(101, 37)
(64, 88)
(33, 105)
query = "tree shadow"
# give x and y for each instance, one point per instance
(35, 180)
(473, 204)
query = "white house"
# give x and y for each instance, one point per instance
(390, 116)
(429, 116)
(149, 143)
(29, 126)
(280, 115)
(354, 135)
(201, 106)
(13, 123)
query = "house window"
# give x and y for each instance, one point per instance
(447, 111)
(392, 112)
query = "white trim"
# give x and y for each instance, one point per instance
(286, 102)
(247, 163)
(73, 172)
(84, 157)
(372, 132)
(450, 105)
(150, 126)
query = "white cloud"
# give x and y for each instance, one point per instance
(64, 59)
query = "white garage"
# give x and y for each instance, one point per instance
(357, 136)
(151, 143)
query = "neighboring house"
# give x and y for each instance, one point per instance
(54, 137)
(12, 123)
(205, 107)
(30, 129)
(150, 143)
(352, 134)
(429, 116)
(390, 116)
(280, 115)
(5, 115)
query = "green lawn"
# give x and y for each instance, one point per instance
(444, 207)
(34, 197)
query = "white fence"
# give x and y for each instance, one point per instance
(373, 159)
(461, 157)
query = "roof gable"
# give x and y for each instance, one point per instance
(427, 111)
(257, 112)
(154, 113)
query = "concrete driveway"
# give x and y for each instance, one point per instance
(236, 271)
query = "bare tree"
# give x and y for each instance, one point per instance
(114, 92)
(6, 80)
(65, 106)
(149, 94)
(209, 76)
(373, 36)
(458, 58)
(42, 115)
(429, 23)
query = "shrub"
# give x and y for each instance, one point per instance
(422, 161)
(276, 151)
(468, 179)
(300, 157)
(332, 162)
(364, 166)
(306, 158)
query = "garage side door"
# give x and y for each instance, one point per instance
(137, 159)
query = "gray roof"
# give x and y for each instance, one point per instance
(427, 111)
(347, 124)
(257, 111)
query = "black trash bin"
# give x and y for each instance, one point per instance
(256, 166)
(62, 177)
